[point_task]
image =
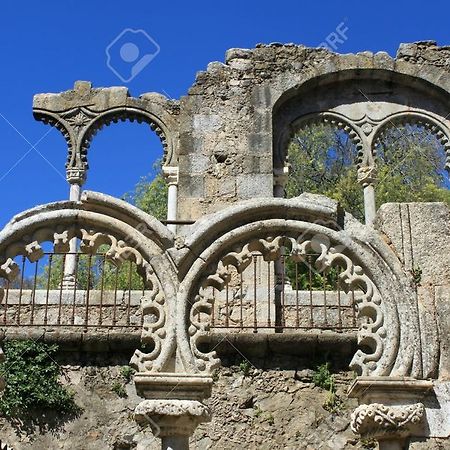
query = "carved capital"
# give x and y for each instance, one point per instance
(172, 417)
(367, 175)
(380, 421)
(280, 176)
(171, 175)
(76, 175)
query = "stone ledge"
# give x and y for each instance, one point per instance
(298, 343)
(389, 390)
(100, 340)
(181, 386)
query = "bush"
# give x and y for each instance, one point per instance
(32, 380)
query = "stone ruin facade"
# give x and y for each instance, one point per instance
(225, 160)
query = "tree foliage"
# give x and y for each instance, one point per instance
(150, 193)
(32, 380)
(410, 163)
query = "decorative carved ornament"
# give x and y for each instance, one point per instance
(367, 175)
(368, 300)
(80, 113)
(153, 302)
(172, 417)
(377, 420)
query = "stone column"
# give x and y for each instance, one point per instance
(280, 179)
(173, 405)
(367, 178)
(76, 179)
(171, 174)
(173, 421)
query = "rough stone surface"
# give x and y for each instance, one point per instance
(266, 409)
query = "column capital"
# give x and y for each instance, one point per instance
(383, 422)
(171, 174)
(76, 176)
(391, 408)
(169, 418)
(367, 175)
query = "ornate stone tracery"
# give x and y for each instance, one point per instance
(371, 334)
(79, 114)
(380, 421)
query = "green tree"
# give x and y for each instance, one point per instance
(410, 163)
(150, 193)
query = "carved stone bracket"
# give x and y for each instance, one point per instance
(380, 421)
(392, 408)
(173, 407)
(172, 419)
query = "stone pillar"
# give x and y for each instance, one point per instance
(171, 174)
(76, 179)
(390, 411)
(173, 405)
(173, 421)
(280, 179)
(367, 179)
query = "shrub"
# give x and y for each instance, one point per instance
(32, 380)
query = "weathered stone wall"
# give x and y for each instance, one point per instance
(273, 406)
(419, 233)
(237, 118)
(268, 407)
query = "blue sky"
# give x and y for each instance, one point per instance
(46, 46)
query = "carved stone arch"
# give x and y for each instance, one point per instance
(434, 125)
(322, 70)
(80, 113)
(128, 114)
(55, 120)
(130, 234)
(388, 290)
(336, 120)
